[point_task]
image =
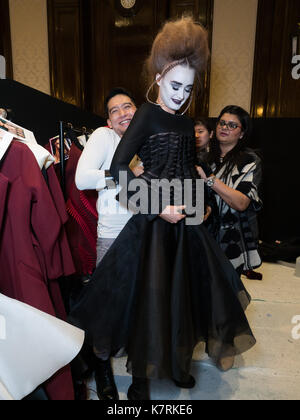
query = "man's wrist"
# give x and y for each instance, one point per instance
(109, 180)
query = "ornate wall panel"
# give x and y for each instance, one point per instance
(29, 37)
(232, 54)
(5, 38)
(66, 50)
(276, 93)
(96, 45)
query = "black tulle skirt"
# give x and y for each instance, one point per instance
(160, 289)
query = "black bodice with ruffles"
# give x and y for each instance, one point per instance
(170, 156)
(165, 143)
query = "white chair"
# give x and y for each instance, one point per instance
(33, 347)
(297, 273)
(2, 67)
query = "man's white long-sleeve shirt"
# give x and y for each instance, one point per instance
(90, 175)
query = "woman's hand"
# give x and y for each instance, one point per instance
(235, 199)
(172, 214)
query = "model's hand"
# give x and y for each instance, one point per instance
(172, 214)
(138, 170)
(208, 213)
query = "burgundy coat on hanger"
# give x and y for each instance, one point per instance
(3, 190)
(83, 218)
(81, 226)
(33, 248)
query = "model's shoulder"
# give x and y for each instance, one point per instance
(143, 117)
(147, 109)
(187, 121)
(148, 106)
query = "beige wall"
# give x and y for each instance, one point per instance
(232, 54)
(29, 35)
(232, 50)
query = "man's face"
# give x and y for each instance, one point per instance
(121, 110)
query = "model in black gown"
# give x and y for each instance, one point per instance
(162, 288)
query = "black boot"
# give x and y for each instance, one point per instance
(106, 387)
(139, 390)
(189, 383)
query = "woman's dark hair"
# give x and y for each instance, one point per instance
(206, 123)
(233, 157)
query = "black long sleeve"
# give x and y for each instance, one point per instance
(131, 142)
(136, 134)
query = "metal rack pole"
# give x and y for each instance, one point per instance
(62, 157)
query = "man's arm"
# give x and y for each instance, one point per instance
(89, 175)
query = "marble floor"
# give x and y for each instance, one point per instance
(269, 371)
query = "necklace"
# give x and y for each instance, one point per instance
(164, 107)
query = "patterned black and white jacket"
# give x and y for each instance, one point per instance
(238, 234)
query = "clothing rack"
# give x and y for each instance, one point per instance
(44, 113)
(3, 112)
(63, 126)
(6, 112)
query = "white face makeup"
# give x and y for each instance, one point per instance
(175, 87)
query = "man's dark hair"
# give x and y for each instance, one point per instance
(114, 92)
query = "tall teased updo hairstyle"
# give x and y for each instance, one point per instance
(179, 42)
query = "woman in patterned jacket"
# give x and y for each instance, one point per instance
(235, 181)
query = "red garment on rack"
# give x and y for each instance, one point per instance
(34, 252)
(67, 264)
(82, 224)
(3, 191)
